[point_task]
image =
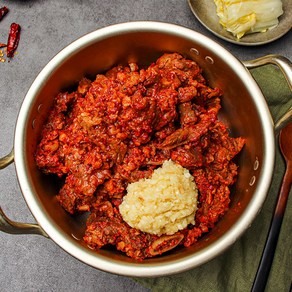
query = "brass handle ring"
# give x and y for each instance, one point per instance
(12, 227)
(286, 68)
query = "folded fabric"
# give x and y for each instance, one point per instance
(236, 268)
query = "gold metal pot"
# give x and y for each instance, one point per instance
(244, 110)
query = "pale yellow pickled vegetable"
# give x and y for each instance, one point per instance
(247, 16)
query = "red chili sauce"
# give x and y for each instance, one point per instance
(119, 128)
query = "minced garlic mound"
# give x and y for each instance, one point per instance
(162, 204)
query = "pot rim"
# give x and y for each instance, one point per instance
(147, 269)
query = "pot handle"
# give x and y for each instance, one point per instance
(286, 68)
(12, 227)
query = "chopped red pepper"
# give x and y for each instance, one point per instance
(3, 11)
(13, 39)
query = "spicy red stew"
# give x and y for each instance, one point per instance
(119, 128)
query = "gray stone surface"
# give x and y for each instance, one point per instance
(31, 262)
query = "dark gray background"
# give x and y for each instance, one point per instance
(33, 263)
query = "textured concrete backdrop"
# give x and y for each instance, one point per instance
(33, 263)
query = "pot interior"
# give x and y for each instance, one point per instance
(106, 48)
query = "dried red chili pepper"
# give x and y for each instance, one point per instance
(13, 39)
(2, 45)
(3, 11)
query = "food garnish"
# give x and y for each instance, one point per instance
(3, 11)
(162, 204)
(13, 39)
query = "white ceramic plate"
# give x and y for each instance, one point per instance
(205, 12)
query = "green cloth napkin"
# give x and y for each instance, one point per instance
(236, 268)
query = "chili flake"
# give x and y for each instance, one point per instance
(2, 59)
